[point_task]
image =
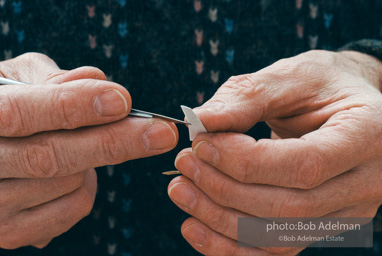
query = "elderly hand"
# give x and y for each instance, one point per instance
(53, 132)
(325, 110)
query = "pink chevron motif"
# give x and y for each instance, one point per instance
(197, 5)
(91, 11)
(199, 37)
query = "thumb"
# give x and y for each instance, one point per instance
(287, 88)
(244, 100)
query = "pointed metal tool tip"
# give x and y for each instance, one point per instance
(141, 113)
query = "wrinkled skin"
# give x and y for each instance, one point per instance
(324, 158)
(53, 132)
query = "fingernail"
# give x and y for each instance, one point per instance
(110, 103)
(183, 195)
(159, 135)
(187, 165)
(206, 152)
(194, 233)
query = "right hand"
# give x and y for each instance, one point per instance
(53, 132)
(324, 109)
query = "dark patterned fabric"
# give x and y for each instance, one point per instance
(168, 53)
(368, 46)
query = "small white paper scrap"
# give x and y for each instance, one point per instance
(195, 127)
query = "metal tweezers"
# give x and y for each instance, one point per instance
(133, 112)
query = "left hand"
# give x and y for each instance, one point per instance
(326, 113)
(53, 132)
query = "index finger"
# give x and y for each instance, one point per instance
(303, 163)
(62, 153)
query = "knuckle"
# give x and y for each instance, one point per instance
(247, 86)
(11, 122)
(310, 172)
(68, 116)
(112, 147)
(287, 69)
(39, 159)
(242, 84)
(326, 57)
(282, 68)
(309, 65)
(296, 204)
(317, 61)
(244, 174)
(283, 64)
(233, 79)
(219, 221)
(219, 192)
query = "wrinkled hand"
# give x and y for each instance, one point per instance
(53, 132)
(325, 159)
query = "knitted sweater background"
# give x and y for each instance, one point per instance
(168, 53)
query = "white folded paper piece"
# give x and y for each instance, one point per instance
(196, 126)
